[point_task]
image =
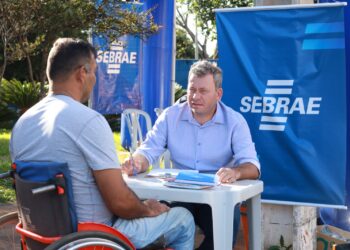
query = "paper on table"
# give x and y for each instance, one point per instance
(167, 173)
(173, 184)
(197, 178)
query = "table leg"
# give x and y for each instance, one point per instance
(254, 222)
(222, 225)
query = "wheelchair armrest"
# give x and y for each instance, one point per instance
(34, 236)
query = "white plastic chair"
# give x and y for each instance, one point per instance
(165, 157)
(131, 119)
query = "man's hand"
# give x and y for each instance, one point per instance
(131, 167)
(228, 175)
(243, 171)
(134, 165)
(155, 207)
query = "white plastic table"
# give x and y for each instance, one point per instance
(222, 200)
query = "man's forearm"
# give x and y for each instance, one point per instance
(130, 206)
(247, 171)
(119, 198)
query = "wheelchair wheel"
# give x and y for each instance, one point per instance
(9, 238)
(89, 240)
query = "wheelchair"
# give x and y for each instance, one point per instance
(47, 218)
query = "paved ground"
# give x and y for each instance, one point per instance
(6, 208)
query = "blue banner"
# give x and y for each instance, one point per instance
(284, 70)
(340, 217)
(118, 77)
(157, 69)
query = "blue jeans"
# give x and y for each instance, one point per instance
(203, 218)
(177, 226)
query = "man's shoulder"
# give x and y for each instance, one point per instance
(61, 108)
(76, 108)
(176, 108)
(231, 114)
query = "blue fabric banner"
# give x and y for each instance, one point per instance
(118, 79)
(284, 70)
(340, 217)
(157, 68)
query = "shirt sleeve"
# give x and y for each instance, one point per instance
(97, 144)
(156, 140)
(243, 146)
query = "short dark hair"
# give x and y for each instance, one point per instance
(203, 68)
(66, 55)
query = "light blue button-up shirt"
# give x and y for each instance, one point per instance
(224, 141)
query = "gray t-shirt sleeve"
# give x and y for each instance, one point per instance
(97, 145)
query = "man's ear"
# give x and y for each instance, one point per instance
(80, 74)
(219, 93)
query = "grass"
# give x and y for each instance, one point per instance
(7, 193)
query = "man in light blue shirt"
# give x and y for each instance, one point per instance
(202, 134)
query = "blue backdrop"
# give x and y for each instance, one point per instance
(284, 70)
(337, 217)
(118, 75)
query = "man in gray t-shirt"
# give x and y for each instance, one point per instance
(59, 128)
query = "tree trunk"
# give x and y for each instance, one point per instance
(30, 68)
(215, 55)
(43, 76)
(3, 66)
(22, 42)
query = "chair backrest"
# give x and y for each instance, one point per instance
(165, 157)
(132, 121)
(50, 213)
(137, 123)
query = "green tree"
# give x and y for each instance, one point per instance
(184, 45)
(36, 24)
(15, 27)
(205, 17)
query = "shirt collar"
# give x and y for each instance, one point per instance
(218, 117)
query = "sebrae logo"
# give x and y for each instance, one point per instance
(277, 105)
(116, 56)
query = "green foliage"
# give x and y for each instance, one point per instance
(179, 91)
(7, 115)
(203, 9)
(30, 28)
(281, 246)
(184, 45)
(21, 95)
(7, 193)
(205, 19)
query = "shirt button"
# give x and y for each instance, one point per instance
(197, 161)
(199, 144)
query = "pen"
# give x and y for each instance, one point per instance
(134, 171)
